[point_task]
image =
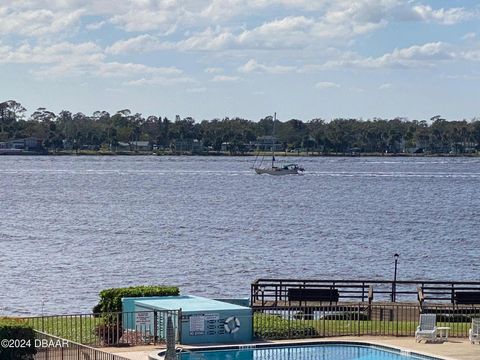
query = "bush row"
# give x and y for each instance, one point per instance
(20, 338)
(111, 302)
(111, 299)
(268, 326)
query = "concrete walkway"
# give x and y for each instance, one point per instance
(135, 352)
(454, 349)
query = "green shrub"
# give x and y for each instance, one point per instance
(21, 340)
(268, 326)
(454, 318)
(111, 303)
(111, 299)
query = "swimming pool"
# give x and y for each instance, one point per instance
(310, 352)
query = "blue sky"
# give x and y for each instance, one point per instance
(209, 59)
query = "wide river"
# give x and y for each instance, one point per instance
(72, 226)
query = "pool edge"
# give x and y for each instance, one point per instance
(259, 345)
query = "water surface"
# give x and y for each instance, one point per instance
(72, 226)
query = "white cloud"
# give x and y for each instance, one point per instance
(469, 36)
(253, 66)
(289, 32)
(85, 53)
(341, 17)
(160, 81)
(470, 55)
(38, 22)
(95, 26)
(145, 20)
(322, 85)
(223, 78)
(116, 69)
(337, 20)
(385, 86)
(416, 56)
(207, 40)
(461, 77)
(222, 10)
(443, 16)
(139, 44)
(412, 56)
(213, 70)
(67, 59)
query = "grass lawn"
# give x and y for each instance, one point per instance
(275, 327)
(78, 328)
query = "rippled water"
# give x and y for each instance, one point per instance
(308, 352)
(71, 226)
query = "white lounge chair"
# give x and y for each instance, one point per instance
(474, 332)
(427, 329)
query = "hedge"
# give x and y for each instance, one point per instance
(21, 340)
(111, 299)
(267, 326)
(111, 303)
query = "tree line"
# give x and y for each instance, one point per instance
(341, 135)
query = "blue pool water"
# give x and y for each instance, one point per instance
(316, 352)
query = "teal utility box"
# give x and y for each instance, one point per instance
(202, 320)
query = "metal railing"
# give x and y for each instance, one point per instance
(275, 322)
(109, 329)
(274, 292)
(356, 320)
(54, 348)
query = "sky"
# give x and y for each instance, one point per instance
(302, 59)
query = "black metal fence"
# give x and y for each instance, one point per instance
(356, 320)
(269, 323)
(112, 329)
(54, 348)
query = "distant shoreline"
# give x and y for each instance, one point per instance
(6, 152)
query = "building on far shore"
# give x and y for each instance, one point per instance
(265, 143)
(28, 144)
(133, 146)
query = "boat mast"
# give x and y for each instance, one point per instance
(273, 140)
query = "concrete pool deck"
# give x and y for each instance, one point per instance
(135, 352)
(453, 349)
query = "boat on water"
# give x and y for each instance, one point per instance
(288, 169)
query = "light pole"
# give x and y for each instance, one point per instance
(394, 285)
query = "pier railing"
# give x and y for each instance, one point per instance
(275, 292)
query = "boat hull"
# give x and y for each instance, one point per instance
(276, 171)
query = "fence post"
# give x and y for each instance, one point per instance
(396, 314)
(323, 317)
(81, 330)
(179, 325)
(253, 325)
(118, 329)
(358, 320)
(155, 327)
